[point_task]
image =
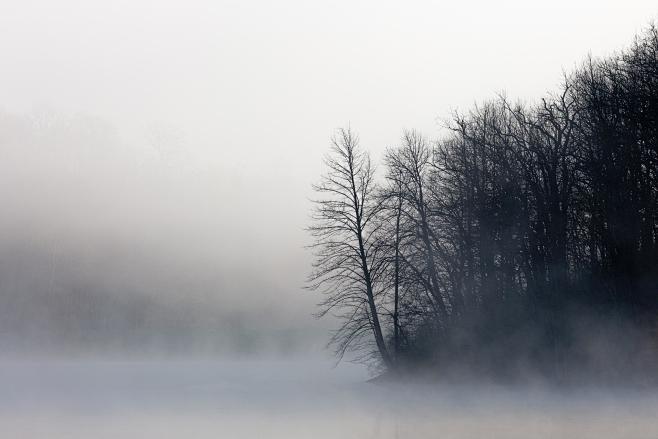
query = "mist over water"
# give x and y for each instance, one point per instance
(156, 165)
(295, 398)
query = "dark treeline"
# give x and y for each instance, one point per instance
(524, 240)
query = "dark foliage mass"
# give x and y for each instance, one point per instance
(526, 240)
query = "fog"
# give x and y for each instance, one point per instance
(112, 246)
(156, 163)
(295, 399)
(157, 157)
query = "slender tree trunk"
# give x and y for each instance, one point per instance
(396, 293)
(374, 315)
(431, 265)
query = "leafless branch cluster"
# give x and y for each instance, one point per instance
(519, 220)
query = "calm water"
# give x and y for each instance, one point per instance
(292, 399)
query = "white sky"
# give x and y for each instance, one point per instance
(263, 82)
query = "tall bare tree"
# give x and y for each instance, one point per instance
(349, 260)
(408, 167)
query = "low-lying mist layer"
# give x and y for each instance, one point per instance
(295, 399)
(111, 246)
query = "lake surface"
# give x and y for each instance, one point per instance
(293, 399)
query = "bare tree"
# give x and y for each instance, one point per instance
(349, 260)
(392, 202)
(408, 167)
(491, 243)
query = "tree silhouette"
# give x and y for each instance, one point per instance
(501, 244)
(350, 263)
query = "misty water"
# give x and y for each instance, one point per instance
(294, 398)
(156, 170)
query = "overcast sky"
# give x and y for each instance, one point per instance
(167, 148)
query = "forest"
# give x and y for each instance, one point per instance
(523, 241)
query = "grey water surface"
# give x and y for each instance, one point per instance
(293, 398)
